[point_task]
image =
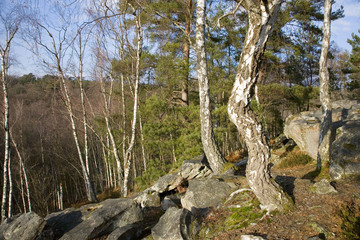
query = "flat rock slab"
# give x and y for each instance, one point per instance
(100, 219)
(205, 193)
(25, 227)
(324, 187)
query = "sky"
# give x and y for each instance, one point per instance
(341, 30)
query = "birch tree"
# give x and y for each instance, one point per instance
(11, 27)
(129, 150)
(325, 130)
(56, 48)
(261, 17)
(211, 149)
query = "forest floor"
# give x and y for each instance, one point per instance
(328, 216)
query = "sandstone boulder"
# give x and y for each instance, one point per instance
(304, 129)
(27, 226)
(173, 225)
(205, 193)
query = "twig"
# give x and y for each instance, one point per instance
(228, 14)
(237, 192)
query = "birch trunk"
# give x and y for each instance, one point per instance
(89, 189)
(10, 190)
(325, 130)
(4, 57)
(23, 170)
(142, 143)
(211, 149)
(57, 51)
(128, 154)
(4, 202)
(261, 15)
(82, 97)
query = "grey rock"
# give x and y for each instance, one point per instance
(167, 183)
(170, 201)
(203, 194)
(324, 187)
(27, 226)
(304, 129)
(192, 169)
(127, 232)
(251, 237)
(103, 218)
(173, 225)
(148, 199)
(345, 104)
(314, 238)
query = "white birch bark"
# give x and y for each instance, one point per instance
(142, 143)
(211, 149)
(128, 154)
(23, 171)
(82, 97)
(324, 156)
(57, 51)
(4, 57)
(261, 15)
(9, 215)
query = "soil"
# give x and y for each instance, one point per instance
(314, 214)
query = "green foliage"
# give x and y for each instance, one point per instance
(273, 107)
(245, 215)
(294, 159)
(171, 133)
(153, 172)
(354, 62)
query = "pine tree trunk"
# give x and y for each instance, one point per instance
(187, 32)
(325, 130)
(211, 149)
(261, 15)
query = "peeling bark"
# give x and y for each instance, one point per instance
(262, 15)
(211, 149)
(325, 130)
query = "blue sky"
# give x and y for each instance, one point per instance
(341, 31)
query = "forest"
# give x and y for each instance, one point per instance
(120, 105)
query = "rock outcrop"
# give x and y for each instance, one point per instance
(173, 225)
(304, 129)
(202, 194)
(24, 227)
(179, 197)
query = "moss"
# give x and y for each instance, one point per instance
(294, 159)
(338, 131)
(244, 216)
(227, 166)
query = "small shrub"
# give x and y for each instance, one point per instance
(109, 193)
(294, 159)
(350, 226)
